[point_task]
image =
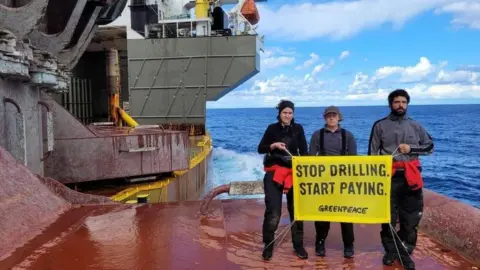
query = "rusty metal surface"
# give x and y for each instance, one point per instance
(211, 195)
(109, 131)
(452, 222)
(26, 205)
(174, 236)
(88, 153)
(444, 218)
(88, 159)
(193, 129)
(73, 196)
(181, 186)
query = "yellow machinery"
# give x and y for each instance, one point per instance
(117, 115)
(201, 8)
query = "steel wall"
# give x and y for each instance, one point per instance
(29, 149)
(171, 79)
(88, 153)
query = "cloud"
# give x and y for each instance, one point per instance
(300, 89)
(279, 51)
(422, 72)
(344, 19)
(275, 62)
(309, 62)
(276, 57)
(360, 82)
(473, 68)
(423, 93)
(312, 76)
(432, 82)
(407, 74)
(458, 77)
(466, 13)
(344, 54)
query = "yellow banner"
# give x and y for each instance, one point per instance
(342, 188)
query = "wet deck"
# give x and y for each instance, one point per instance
(173, 236)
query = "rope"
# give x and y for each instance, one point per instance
(284, 233)
(393, 231)
(288, 152)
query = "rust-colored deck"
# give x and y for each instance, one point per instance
(174, 236)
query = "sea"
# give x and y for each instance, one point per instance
(453, 169)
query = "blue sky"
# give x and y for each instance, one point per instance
(351, 53)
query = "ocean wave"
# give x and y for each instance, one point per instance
(228, 165)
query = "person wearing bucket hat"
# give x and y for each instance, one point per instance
(333, 110)
(333, 140)
(281, 140)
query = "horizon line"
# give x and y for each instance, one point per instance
(385, 105)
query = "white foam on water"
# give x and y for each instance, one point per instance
(227, 166)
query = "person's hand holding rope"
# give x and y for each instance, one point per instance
(278, 145)
(404, 148)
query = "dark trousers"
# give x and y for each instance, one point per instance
(273, 211)
(322, 228)
(407, 205)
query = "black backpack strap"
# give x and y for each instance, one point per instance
(344, 142)
(321, 142)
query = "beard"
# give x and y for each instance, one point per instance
(398, 112)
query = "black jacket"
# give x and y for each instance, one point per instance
(294, 138)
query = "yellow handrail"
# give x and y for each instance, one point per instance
(161, 183)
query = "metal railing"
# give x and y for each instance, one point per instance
(78, 100)
(236, 19)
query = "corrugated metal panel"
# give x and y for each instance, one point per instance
(172, 79)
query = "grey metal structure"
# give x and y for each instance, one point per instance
(40, 41)
(171, 79)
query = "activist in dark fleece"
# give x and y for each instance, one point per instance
(405, 139)
(280, 137)
(333, 140)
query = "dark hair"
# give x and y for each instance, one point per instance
(282, 105)
(398, 93)
(285, 104)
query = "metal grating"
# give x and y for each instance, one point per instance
(78, 100)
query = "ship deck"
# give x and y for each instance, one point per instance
(175, 236)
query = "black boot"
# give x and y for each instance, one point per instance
(268, 252)
(348, 252)
(300, 251)
(320, 248)
(408, 263)
(389, 258)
